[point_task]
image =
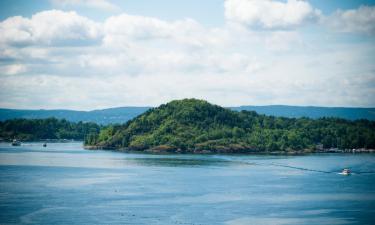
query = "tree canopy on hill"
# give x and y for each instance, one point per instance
(190, 125)
(51, 128)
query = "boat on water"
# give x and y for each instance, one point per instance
(346, 172)
(45, 145)
(16, 142)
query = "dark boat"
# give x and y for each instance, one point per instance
(15, 142)
(45, 145)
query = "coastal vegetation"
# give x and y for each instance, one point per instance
(192, 125)
(42, 129)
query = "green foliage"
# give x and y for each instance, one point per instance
(190, 125)
(51, 128)
(195, 125)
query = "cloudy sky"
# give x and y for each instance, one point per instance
(82, 54)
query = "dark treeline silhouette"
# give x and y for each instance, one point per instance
(51, 128)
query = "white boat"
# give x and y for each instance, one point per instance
(345, 172)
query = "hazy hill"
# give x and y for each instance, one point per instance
(123, 114)
(104, 116)
(312, 111)
(192, 125)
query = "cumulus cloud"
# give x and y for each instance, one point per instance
(138, 27)
(125, 27)
(13, 69)
(52, 27)
(360, 20)
(96, 4)
(270, 14)
(61, 59)
(283, 40)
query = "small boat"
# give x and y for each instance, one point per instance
(346, 172)
(45, 145)
(15, 142)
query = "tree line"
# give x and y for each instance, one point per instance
(50, 128)
(190, 124)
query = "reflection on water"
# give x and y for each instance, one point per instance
(79, 182)
(64, 184)
(178, 162)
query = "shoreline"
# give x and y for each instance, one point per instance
(43, 141)
(207, 152)
(233, 152)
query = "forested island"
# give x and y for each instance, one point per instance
(45, 129)
(196, 126)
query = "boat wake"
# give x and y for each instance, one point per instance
(301, 168)
(309, 169)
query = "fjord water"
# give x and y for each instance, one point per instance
(65, 184)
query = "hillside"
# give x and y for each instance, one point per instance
(123, 114)
(192, 125)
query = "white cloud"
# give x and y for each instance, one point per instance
(61, 59)
(125, 27)
(283, 40)
(360, 20)
(270, 14)
(52, 27)
(96, 4)
(137, 27)
(13, 69)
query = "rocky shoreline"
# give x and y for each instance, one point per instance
(171, 150)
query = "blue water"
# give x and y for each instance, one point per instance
(65, 184)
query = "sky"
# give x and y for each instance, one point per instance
(84, 55)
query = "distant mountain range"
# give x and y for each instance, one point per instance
(123, 114)
(312, 111)
(104, 116)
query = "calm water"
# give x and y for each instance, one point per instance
(64, 184)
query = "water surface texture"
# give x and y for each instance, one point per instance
(65, 184)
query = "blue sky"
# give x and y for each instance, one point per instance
(82, 54)
(208, 12)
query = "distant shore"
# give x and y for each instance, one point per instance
(200, 151)
(44, 140)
